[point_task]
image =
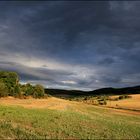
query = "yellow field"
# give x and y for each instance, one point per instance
(130, 103)
(50, 103)
(61, 104)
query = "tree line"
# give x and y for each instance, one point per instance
(10, 86)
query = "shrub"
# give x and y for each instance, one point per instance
(102, 102)
(124, 97)
(38, 91)
(28, 89)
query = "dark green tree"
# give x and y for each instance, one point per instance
(9, 85)
(38, 91)
(17, 91)
(10, 79)
(3, 89)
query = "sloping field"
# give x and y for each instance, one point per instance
(50, 103)
(130, 103)
(58, 118)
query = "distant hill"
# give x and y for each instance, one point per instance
(65, 93)
(126, 90)
(102, 91)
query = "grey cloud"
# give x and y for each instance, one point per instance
(101, 36)
(106, 61)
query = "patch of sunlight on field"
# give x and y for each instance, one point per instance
(50, 103)
(130, 103)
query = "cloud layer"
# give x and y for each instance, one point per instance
(72, 45)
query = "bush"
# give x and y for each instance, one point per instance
(124, 97)
(28, 89)
(102, 102)
(38, 91)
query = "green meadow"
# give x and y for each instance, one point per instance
(86, 122)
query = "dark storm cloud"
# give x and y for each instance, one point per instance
(80, 45)
(106, 61)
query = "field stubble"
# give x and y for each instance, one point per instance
(58, 118)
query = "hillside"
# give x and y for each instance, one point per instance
(62, 119)
(102, 91)
(117, 91)
(132, 103)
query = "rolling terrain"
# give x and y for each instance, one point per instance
(132, 103)
(59, 118)
(103, 91)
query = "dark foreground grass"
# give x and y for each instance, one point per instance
(86, 123)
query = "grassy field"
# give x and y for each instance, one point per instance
(58, 118)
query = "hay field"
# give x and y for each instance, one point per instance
(55, 118)
(130, 103)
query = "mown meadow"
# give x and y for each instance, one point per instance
(86, 122)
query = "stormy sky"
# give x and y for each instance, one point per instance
(71, 45)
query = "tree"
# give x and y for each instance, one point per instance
(17, 91)
(10, 79)
(9, 85)
(29, 89)
(38, 91)
(3, 89)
